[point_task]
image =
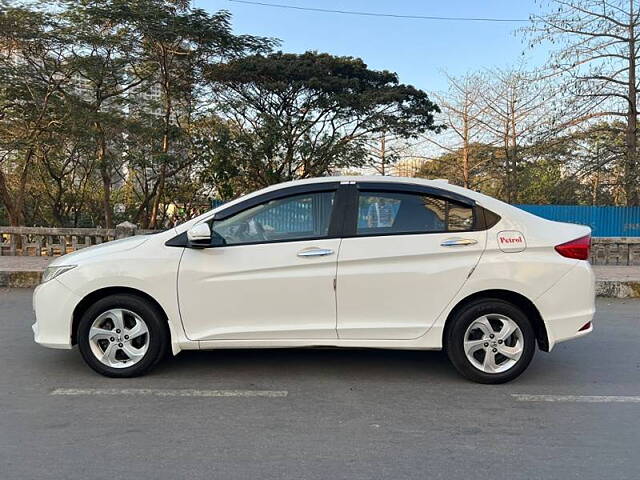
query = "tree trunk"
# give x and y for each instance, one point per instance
(101, 153)
(7, 201)
(106, 198)
(507, 162)
(382, 154)
(16, 214)
(465, 149)
(155, 206)
(631, 179)
(513, 148)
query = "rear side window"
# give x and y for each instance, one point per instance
(389, 213)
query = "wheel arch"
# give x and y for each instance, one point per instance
(96, 295)
(517, 299)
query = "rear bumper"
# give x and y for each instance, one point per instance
(569, 305)
(53, 304)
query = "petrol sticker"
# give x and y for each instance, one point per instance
(511, 241)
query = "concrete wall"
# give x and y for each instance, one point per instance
(615, 251)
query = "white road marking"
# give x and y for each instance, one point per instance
(576, 398)
(157, 392)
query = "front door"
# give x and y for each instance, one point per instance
(408, 255)
(272, 279)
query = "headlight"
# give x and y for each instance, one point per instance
(52, 272)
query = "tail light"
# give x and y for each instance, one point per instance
(578, 248)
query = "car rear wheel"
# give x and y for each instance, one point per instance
(490, 341)
(122, 336)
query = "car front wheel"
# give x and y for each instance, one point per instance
(122, 336)
(490, 341)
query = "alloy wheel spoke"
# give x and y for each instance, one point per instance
(508, 328)
(109, 355)
(489, 364)
(140, 328)
(511, 352)
(133, 353)
(97, 333)
(118, 319)
(484, 324)
(472, 346)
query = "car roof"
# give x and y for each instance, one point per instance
(481, 199)
(495, 205)
(515, 215)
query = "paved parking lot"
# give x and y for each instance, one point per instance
(352, 414)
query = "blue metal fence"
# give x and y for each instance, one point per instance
(604, 221)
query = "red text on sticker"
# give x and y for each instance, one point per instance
(511, 240)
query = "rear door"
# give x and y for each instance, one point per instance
(407, 251)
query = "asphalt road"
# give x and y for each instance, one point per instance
(347, 414)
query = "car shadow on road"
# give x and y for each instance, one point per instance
(282, 366)
(308, 363)
(274, 368)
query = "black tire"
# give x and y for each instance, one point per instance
(158, 334)
(454, 341)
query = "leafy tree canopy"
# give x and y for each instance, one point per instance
(303, 115)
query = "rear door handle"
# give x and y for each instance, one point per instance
(458, 242)
(315, 252)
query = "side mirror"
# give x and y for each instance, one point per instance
(199, 236)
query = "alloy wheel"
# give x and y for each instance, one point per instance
(119, 338)
(493, 343)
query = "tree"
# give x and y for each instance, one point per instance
(581, 166)
(600, 158)
(32, 74)
(386, 151)
(486, 168)
(578, 167)
(65, 169)
(220, 147)
(179, 42)
(464, 112)
(546, 175)
(104, 52)
(514, 105)
(597, 55)
(299, 116)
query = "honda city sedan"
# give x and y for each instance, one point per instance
(375, 262)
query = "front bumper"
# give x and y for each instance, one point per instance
(53, 304)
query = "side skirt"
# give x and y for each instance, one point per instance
(432, 340)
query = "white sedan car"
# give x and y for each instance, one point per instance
(376, 262)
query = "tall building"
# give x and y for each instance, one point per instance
(407, 167)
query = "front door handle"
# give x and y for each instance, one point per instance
(315, 252)
(458, 242)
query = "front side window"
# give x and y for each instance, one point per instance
(298, 217)
(387, 213)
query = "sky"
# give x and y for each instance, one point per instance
(419, 50)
